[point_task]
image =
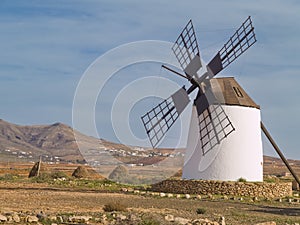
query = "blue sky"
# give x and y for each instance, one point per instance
(47, 45)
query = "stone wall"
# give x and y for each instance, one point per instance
(204, 187)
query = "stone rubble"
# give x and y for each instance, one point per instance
(104, 219)
(169, 218)
(79, 219)
(3, 218)
(31, 219)
(267, 223)
(16, 218)
(180, 220)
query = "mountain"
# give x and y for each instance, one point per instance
(54, 141)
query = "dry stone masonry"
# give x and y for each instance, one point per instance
(205, 187)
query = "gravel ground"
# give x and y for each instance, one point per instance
(41, 197)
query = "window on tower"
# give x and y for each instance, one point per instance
(238, 92)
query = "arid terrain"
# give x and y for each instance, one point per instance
(70, 196)
(56, 143)
(34, 198)
(60, 198)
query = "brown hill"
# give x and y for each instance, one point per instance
(57, 143)
(56, 140)
(275, 166)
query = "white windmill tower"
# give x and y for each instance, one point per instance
(224, 140)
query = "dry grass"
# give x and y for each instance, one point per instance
(115, 206)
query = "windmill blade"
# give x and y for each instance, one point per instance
(160, 119)
(240, 41)
(186, 50)
(214, 124)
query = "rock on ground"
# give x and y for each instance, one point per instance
(32, 219)
(267, 223)
(3, 218)
(181, 220)
(80, 218)
(169, 218)
(16, 218)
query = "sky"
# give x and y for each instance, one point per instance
(46, 47)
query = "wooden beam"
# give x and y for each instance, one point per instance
(268, 135)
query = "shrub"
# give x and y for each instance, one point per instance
(114, 206)
(48, 177)
(58, 174)
(241, 179)
(201, 211)
(149, 221)
(9, 177)
(271, 179)
(42, 178)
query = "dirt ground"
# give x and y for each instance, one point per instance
(28, 196)
(52, 200)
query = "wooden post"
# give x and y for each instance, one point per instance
(268, 135)
(39, 166)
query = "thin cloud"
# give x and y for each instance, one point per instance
(46, 47)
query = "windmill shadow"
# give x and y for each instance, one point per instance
(279, 211)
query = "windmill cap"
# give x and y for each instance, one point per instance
(228, 91)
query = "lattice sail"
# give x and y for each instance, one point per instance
(240, 41)
(214, 124)
(160, 119)
(186, 50)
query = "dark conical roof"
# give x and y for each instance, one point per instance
(80, 172)
(118, 173)
(228, 91)
(38, 169)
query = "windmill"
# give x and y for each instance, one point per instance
(216, 127)
(224, 141)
